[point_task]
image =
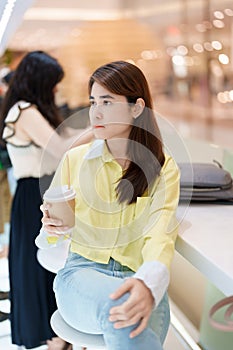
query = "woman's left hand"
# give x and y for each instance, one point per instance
(137, 308)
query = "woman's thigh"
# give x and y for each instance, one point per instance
(82, 294)
(82, 291)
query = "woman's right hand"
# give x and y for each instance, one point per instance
(51, 226)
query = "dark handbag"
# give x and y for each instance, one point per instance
(5, 161)
(205, 182)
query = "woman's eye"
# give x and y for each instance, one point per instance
(92, 103)
(106, 103)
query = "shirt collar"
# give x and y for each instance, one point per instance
(99, 149)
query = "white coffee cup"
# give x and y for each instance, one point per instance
(61, 202)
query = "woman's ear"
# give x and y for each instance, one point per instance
(138, 107)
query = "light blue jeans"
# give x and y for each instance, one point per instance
(82, 291)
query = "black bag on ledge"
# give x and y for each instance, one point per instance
(205, 182)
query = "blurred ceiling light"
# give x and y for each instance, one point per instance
(216, 45)
(218, 23)
(147, 55)
(182, 50)
(224, 59)
(70, 14)
(181, 72)
(6, 16)
(228, 12)
(231, 94)
(198, 47)
(178, 60)
(208, 46)
(218, 14)
(222, 98)
(227, 96)
(151, 54)
(88, 14)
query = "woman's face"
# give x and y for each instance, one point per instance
(110, 114)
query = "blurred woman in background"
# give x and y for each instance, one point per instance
(29, 121)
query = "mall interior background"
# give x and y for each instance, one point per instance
(184, 47)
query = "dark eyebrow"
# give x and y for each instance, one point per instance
(103, 97)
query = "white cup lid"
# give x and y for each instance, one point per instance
(57, 194)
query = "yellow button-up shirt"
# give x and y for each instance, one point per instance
(129, 233)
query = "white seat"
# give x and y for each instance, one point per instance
(79, 340)
(53, 259)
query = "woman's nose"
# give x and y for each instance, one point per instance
(98, 112)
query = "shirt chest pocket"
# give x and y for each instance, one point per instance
(142, 209)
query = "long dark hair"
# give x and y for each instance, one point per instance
(34, 81)
(145, 148)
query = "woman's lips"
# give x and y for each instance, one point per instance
(98, 126)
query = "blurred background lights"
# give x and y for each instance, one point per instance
(224, 59)
(198, 47)
(182, 50)
(148, 55)
(228, 12)
(178, 60)
(222, 97)
(218, 14)
(225, 96)
(216, 45)
(218, 23)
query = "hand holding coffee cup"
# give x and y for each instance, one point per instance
(58, 210)
(61, 205)
(50, 225)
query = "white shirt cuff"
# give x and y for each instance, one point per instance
(156, 277)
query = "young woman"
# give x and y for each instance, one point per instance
(127, 191)
(29, 118)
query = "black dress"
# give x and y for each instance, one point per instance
(31, 286)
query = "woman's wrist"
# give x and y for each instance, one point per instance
(156, 277)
